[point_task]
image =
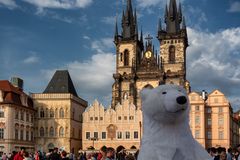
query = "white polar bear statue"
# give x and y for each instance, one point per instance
(166, 130)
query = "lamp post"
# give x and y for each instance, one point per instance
(93, 139)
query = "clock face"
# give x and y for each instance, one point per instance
(148, 54)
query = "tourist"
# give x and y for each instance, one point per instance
(229, 154)
(110, 153)
(55, 155)
(26, 156)
(4, 156)
(19, 155)
(102, 154)
(223, 155)
(64, 156)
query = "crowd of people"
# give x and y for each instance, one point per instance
(108, 153)
(221, 153)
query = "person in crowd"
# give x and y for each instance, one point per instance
(110, 153)
(102, 154)
(64, 156)
(19, 155)
(229, 154)
(223, 155)
(55, 155)
(4, 156)
(26, 156)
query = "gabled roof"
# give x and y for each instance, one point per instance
(61, 82)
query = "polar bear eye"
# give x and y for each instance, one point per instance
(164, 92)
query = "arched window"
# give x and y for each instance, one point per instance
(126, 58)
(41, 133)
(61, 113)
(61, 132)
(51, 113)
(41, 113)
(51, 133)
(172, 54)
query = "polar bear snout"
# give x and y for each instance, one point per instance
(181, 100)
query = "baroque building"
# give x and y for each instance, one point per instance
(16, 117)
(59, 115)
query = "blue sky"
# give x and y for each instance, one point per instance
(38, 37)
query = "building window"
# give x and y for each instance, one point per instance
(96, 118)
(87, 135)
(220, 121)
(95, 135)
(135, 134)
(27, 135)
(119, 118)
(196, 108)
(1, 133)
(22, 115)
(197, 134)
(91, 118)
(101, 118)
(220, 135)
(1, 113)
(197, 120)
(209, 135)
(119, 135)
(21, 134)
(27, 117)
(41, 133)
(16, 134)
(61, 132)
(61, 113)
(31, 118)
(16, 114)
(172, 54)
(209, 110)
(127, 134)
(32, 136)
(104, 135)
(42, 113)
(51, 133)
(220, 110)
(125, 117)
(131, 117)
(209, 121)
(126, 58)
(51, 113)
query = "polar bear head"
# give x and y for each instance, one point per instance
(165, 104)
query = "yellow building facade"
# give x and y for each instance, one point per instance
(59, 115)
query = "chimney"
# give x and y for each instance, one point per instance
(17, 82)
(204, 95)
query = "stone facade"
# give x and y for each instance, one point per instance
(212, 120)
(119, 127)
(16, 119)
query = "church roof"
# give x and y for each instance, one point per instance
(61, 82)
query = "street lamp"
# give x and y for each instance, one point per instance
(93, 139)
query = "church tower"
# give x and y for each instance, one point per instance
(173, 44)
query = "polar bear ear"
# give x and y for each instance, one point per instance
(145, 93)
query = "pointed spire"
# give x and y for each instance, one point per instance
(166, 13)
(180, 12)
(159, 25)
(141, 37)
(136, 26)
(173, 9)
(184, 23)
(116, 32)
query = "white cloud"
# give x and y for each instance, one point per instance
(86, 37)
(109, 20)
(153, 3)
(8, 3)
(235, 7)
(31, 60)
(213, 61)
(92, 78)
(102, 45)
(60, 4)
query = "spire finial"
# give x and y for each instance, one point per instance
(116, 32)
(159, 25)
